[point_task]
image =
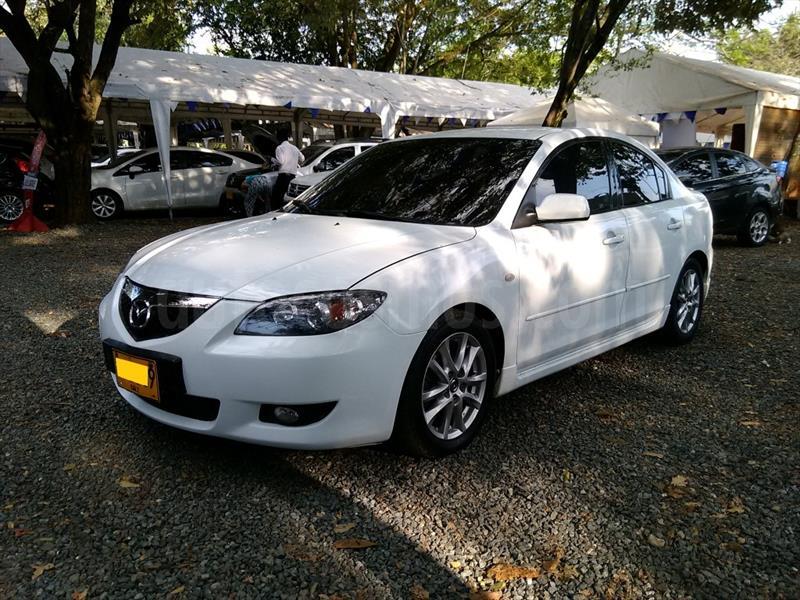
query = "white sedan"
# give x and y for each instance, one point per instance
(136, 182)
(409, 289)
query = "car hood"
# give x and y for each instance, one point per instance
(286, 253)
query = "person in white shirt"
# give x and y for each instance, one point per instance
(289, 158)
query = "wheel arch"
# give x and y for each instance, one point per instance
(490, 322)
(700, 257)
(109, 190)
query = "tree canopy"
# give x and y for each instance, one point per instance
(763, 49)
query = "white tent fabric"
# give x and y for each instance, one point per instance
(664, 83)
(161, 109)
(145, 74)
(593, 113)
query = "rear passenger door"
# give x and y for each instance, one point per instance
(657, 237)
(204, 177)
(736, 186)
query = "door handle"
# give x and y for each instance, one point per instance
(613, 239)
(674, 224)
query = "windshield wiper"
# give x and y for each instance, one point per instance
(301, 207)
(365, 214)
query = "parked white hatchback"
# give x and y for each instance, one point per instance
(136, 182)
(410, 288)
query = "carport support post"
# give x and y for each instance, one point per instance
(227, 132)
(110, 128)
(752, 121)
(298, 127)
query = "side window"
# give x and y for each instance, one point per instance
(578, 169)
(729, 164)
(663, 186)
(336, 158)
(197, 160)
(695, 169)
(637, 176)
(150, 163)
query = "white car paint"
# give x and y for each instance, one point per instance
(561, 291)
(195, 183)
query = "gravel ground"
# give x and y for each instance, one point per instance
(648, 472)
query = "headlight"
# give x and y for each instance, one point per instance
(311, 314)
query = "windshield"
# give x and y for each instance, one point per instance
(442, 181)
(122, 158)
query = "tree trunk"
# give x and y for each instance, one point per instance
(558, 109)
(73, 172)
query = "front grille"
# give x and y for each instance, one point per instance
(295, 189)
(150, 313)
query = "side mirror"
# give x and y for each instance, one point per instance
(318, 168)
(134, 170)
(563, 207)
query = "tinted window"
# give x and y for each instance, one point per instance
(578, 169)
(150, 163)
(248, 156)
(729, 164)
(637, 176)
(696, 168)
(336, 158)
(194, 159)
(448, 181)
(668, 156)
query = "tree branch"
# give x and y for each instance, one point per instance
(120, 21)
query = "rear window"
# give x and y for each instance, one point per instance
(443, 181)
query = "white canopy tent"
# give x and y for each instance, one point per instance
(712, 95)
(594, 113)
(151, 80)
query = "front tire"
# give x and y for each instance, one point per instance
(11, 206)
(447, 388)
(106, 205)
(686, 306)
(756, 229)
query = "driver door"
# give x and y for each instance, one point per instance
(144, 190)
(572, 274)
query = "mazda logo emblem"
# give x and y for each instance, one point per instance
(139, 313)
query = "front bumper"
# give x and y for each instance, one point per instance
(361, 369)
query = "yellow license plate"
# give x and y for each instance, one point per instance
(229, 194)
(137, 375)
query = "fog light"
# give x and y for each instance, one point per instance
(286, 415)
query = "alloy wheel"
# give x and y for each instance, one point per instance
(454, 386)
(759, 227)
(11, 207)
(104, 205)
(688, 301)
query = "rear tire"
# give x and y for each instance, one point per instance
(755, 230)
(106, 205)
(11, 206)
(447, 388)
(686, 306)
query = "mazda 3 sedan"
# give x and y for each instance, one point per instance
(401, 296)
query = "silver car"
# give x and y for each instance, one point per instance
(135, 181)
